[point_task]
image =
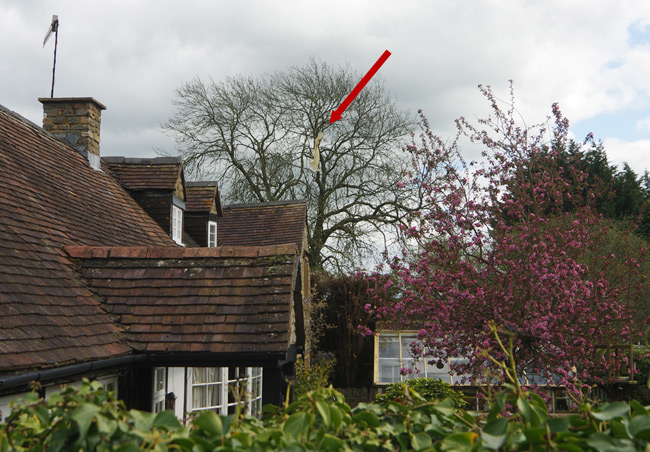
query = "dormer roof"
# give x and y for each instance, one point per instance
(143, 174)
(203, 197)
(263, 224)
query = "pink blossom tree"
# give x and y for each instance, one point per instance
(509, 241)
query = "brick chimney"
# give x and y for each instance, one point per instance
(75, 120)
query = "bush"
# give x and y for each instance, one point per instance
(91, 420)
(421, 390)
(315, 376)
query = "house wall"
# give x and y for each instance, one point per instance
(158, 206)
(176, 383)
(196, 225)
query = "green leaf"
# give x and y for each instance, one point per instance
(536, 435)
(618, 428)
(610, 411)
(210, 422)
(557, 424)
(368, 418)
(128, 448)
(330, 442)
(167, 420)
(336, 415)
(324, 411)
(639, 427)
(570, 447)
(603, 443)
(105, 425)
(444, 409)
(458, 442)
(530, 414)
(494, 433)
(296, 425)
(637, 408)
(83, 415)
(538, 401)
(42, 414)
(142, 420)
(421, 441)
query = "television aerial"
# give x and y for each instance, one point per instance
(53, 28)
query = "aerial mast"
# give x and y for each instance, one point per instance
(54, 28)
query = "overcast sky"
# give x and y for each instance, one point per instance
(592, 56)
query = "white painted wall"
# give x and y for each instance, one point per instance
(176, 384)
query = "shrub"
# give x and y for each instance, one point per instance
(421, 390)
(91, 420)
(315, 376)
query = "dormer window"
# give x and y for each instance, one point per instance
(212, 234)
(177, 224)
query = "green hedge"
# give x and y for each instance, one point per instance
(91, 420)
(423, 390)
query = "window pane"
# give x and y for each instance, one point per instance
(407, 340)
(389, 370)
(407, 356)
(213, 374)
(439, 369)
(177, 224)
(198, 397)
(388, 346)
(212, 234)
(159, 378)
(214, 394)
(199, 374)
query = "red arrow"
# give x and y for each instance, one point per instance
(336, 114)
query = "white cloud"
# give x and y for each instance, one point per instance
(132, 55)
(634, 153)
(643, 125)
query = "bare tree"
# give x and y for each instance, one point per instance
(257, 136)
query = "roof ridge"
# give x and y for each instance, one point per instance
(22, 119)
(266, 204)
(202, 183)
(161, 252)
(143, 161)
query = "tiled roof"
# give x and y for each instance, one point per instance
(263, 224)
(135, 174)
(201, 196)
(218, 300)
(51, 197)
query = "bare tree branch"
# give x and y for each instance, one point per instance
(256, 136)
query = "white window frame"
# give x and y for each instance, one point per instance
(232, 386)
(109, 383)
(421, 368)
(159, 389)
(177, 224)
(212, 234)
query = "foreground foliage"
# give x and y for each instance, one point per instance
(91, 420)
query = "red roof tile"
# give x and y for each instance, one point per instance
(135, 174)
(202, 197)
(51, 197)
(224, 299)
(263, 224)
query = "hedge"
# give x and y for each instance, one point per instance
(89, 419)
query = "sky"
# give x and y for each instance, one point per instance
(590, 56)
